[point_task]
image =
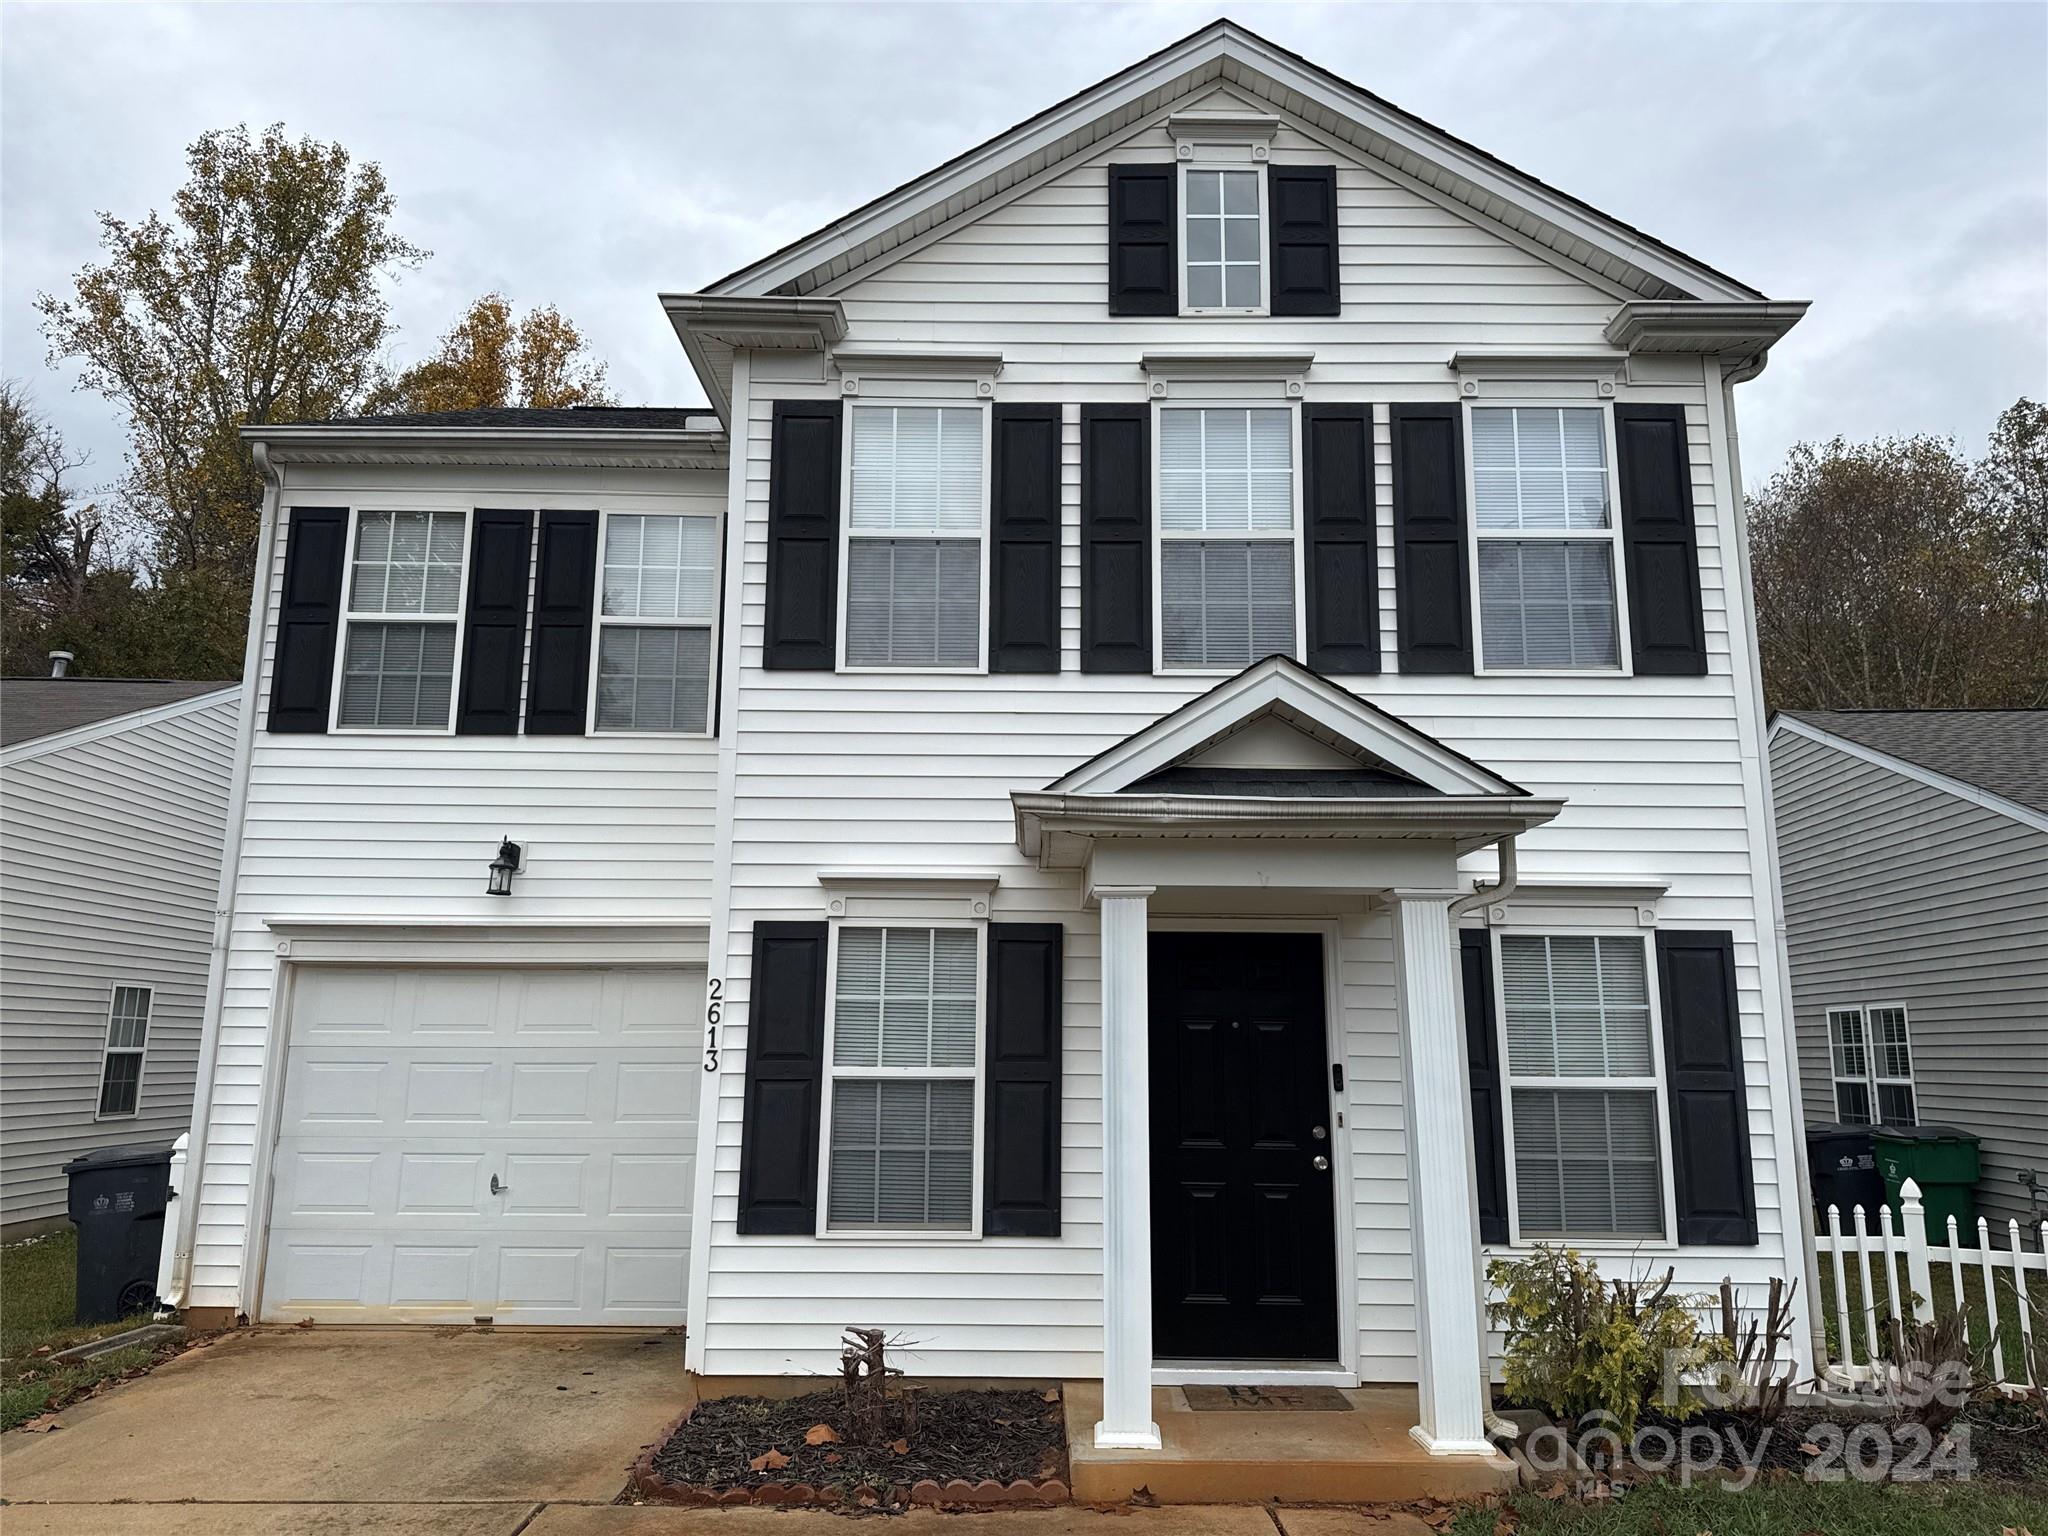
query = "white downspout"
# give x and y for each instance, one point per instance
(187, 1199)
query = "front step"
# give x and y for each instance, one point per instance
(1365, 1456)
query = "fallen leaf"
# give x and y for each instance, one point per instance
(900, 1447)
(1439, 1519)
(304, 1322)
(1809, 1447)
(42, 1349)
(1552, 1491)
(833, 1458)
(819, 1434)
(1049, 1395)
(1505, 1524)
(41, 1424)
(770, 1460)
(1144, 1498)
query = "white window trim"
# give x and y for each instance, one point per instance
(847, 535)
(1624, 656)
(1161, 537)
(621, 621)
(350, 618)
(1509, 1081)
(1874, 1077)
(108, 1050)
(830, 1073)
(1258, 173)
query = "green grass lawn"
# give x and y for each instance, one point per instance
(36, 1280)
(2003, 1293)
(1783, 1508)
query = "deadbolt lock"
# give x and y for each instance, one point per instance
(1319, 1133)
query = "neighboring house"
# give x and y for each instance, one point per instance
(113, 811)
(1005, 798)
(1913, 845)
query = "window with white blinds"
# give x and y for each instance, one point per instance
(1870, 1054)
(917, 503)
(1228, 535)
(404, 608)
(1542, 500)
(659, 600)
(127, 1043)
(1583, 1100)
(905, 1055)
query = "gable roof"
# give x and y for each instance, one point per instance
(34, 707)
(2003, 752)
(1488, 187)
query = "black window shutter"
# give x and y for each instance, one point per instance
(565, 586)
(1301, 202)
(494, 622)
(1343, 545)
(785, 1067)
(1116, 538)
(1144, 243)
(1703, 1079)
(1482, 1056)
(1667, 632)
(1024, 525)
(803, 538)
(1021, 1179)
(309, 614)
(1432, 590)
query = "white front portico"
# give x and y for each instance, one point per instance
(1273, 797)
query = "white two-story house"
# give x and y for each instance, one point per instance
(1175, 761)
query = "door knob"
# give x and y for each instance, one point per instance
(1322, 1164)
(499, 1189)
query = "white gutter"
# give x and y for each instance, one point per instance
(187, 1224)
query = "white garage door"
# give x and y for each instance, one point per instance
(459, 1143)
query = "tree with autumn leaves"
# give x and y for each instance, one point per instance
(261, 298)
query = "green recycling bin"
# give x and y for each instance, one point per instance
(1943, 1162)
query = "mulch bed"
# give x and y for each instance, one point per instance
(2007, 1442)
(966, 1447)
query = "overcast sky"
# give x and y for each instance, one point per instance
(1888, 162)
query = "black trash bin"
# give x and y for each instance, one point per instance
(118, 1196)
(1843, 1165)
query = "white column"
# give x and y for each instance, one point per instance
(1442, 1197)
(1126, 1177)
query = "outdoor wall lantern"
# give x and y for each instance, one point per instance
(503, 868)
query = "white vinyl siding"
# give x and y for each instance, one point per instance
(398, 668)
(1223, 240)
(1227, 529)
(904, 1051)
(1542, 499)
(1871, 1054)
(659, 602)
(1582, 1086)
(917, 498)
(127, 1041)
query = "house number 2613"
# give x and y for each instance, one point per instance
(714, 996)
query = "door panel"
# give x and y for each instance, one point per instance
(1243, 1222)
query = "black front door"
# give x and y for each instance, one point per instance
(1243, 1213)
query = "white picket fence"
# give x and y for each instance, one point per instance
(1904, 1260)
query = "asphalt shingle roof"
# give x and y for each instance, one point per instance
(2001, 751)
(34, 707)
(607, 418)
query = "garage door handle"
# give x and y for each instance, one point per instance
(499, 1189)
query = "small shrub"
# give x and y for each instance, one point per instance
(1577, 1344)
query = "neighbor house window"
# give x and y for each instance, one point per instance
(660, 590)
(916, 499)
(1543, 510)
(1223, 245)
(127, 1039)
(1870, 1054)
(1227, 535)
(904, 1049)
(404, 605)
(1582, 1087)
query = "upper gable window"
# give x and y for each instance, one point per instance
(1223, 243)
(404, 607)
(917, 501)
(1543, 499)
(1227, 535)
(659, 593)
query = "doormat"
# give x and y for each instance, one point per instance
(1267, 1399)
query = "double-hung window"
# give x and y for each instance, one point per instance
(659, 593)
(1228, 535)
(404, 606)
(1543, 512)
(917, 499)
(1222, 240)
(1870, 1055)
(127, 1041)
(1583, 1097)
(904, 1053)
